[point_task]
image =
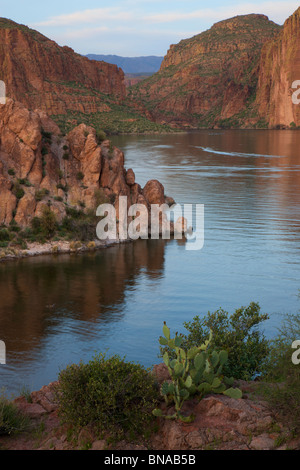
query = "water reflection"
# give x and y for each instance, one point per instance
(90, 288)
(54, 311)
(78, 295)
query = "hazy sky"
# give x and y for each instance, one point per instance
(132, 27)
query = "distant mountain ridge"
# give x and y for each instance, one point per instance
(131, 65)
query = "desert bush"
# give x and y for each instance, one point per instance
(35, 225)
(41, 193)
(284, 376)
(101, 136)
(79, 176)
(4, 235)
(238, 334)
(12, 420)
(18, 191)
(100, 197)
(82, 225)
(48, 222)
(108, 394)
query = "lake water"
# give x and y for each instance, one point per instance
(59, 310)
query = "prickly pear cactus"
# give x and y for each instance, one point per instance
(195, 371)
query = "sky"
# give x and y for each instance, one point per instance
(132, 27)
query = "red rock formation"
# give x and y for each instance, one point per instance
(279, 68)
(40, 74)
(40, 167)
(208, 78)
(154, 192)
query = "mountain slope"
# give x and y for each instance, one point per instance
(210, 79)
(43, 75)
(67, 86)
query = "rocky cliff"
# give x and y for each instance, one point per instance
(39, 167)
(41, 74)
(210, 79)
(69, 87)
(279, 69)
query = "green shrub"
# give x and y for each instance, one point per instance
(18, 191)
(21, 243)
(73, 212)
(11, 172)
(66, 156)
(25, 182)
(80, 176)
(284, 376)
(12, 420)
(35, 224)
(46, 135)
(13, 226)
(4, 235)
(41, 193)
(61, 186)
(100, 197)
(25, 234)
(82, 226)
(101, 136)
(48, 222)
(108, 394)
(238, 334)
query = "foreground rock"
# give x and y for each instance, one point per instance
(221, 423)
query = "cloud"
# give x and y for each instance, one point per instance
(86, 33)
(278, 10)
(138, 24)
(87, 16)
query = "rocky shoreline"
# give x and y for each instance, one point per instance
(221, 423)
(57, 248)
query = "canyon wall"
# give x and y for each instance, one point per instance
(41, 74)
(279, 68)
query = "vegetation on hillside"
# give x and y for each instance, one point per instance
(199, 69)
